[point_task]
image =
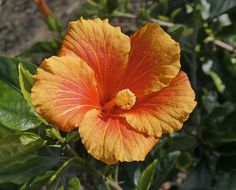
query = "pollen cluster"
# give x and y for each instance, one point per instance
(125, 99)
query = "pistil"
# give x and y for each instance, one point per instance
(125, 99)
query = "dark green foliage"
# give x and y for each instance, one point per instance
(219, 7)
(9, 69)
(226, 181)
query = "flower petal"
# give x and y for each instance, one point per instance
(164, 111)
(111, 140)
(154, 60)
(64, 90)
(103, 47)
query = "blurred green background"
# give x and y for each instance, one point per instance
(202, 156)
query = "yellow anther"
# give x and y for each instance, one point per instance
(125, 99)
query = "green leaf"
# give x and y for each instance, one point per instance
(221, 111)
(74, 184)
(180, 141)
(38, 182)
(108, 169)
(9, 69)
(164, 167)
(4, 131)
(226, 163)
(184, 160)
(61, 187)
(136, 175)
(226, 181)
(26, 83)
(53, 24)
(218, 137)
(8, 186)
(15, 113)
(146, 178)
(22, 170)
(43, 48)
(72, 137)
(175, 13)
(230, 61)
(175, 142)
(220, 86)
(176, 31)
(227, 149)
(198, 178)
(112, 5)
(14, 146)
(219, 7)
(209, 102)
(55, 134)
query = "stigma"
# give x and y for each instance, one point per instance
(125, 99)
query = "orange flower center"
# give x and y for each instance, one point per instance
(125, 99)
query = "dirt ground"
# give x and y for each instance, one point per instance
(21, 24)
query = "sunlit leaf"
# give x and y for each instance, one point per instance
(15, 113)
(26, 83)
(55, 134)
(61, 187)
(217, 81)
(220, 86)
(53, 24)
(72, 137)
(146, 178)
(73, 184)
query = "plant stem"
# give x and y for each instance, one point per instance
(94, 171)
(116, 173)
(162, 23)
(63, 167)
(224, 45)
(113, 184)
(121, 14)
(90, 168)
(70, 150)
(194, 65)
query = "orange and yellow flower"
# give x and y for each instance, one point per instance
(121, 93)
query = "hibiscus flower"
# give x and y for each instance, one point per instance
(121, 93)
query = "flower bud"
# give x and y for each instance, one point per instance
(43, 7)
